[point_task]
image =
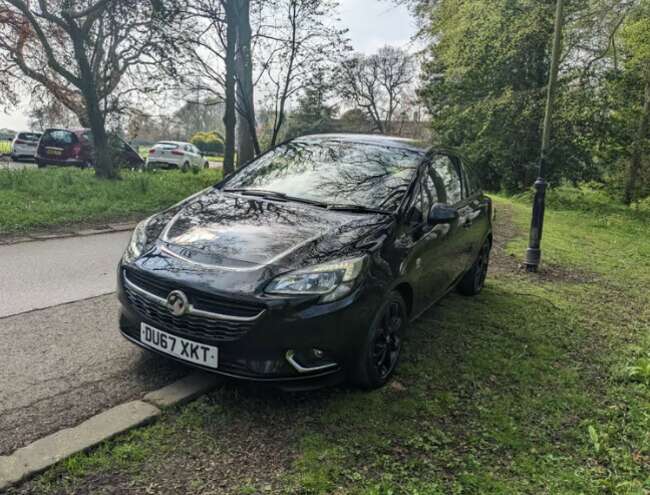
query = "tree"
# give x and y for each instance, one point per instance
(378, 84)
(248, 146)
(222, 66)
(47, 111)
(636, 38)
(313, 114)
(297, 50)
(82, 53)
(355, 120)
(484, 82)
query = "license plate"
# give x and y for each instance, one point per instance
(54, 152)
(187, 350)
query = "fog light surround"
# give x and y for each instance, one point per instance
(292, 357)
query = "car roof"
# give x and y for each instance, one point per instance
(374, 139)
(172, 142)
(74, 131)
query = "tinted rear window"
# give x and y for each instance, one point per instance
(29, 136)
(166, 146)
(58, 138)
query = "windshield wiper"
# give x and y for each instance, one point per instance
(257, 192)
(276, 195)
(357, 208)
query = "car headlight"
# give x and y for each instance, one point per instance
(331, 280)
(137, 242)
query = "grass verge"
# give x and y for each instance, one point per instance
(54, 197)
(538, 385)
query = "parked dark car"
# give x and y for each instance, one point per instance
(74, 147)
(304, 267)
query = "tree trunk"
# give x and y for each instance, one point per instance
(637, 152)
(279, 118)
(247, 144)
(105, 167)
(230, 116)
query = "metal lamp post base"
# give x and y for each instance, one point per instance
(534, 253)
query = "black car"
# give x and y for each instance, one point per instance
(304, 267)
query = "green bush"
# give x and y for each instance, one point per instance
(208, 142)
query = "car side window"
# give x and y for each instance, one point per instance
(434, 187)
(472, 180)
(416, 209)
(451, 180)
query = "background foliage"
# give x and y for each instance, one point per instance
(484, 81)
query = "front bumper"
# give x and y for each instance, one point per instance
(293, 345)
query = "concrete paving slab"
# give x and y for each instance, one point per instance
(43, 453)
(183, 390)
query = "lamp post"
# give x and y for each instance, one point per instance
(534, 252)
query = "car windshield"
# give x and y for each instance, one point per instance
(333, 172)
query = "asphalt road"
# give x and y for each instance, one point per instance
(46, 273)
(68, 361)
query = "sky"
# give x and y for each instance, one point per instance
(371, 23)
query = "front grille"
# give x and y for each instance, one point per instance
(200, 300)
(188, 325)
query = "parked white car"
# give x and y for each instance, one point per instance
(175, 154)
(25, 145)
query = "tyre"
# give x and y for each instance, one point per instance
(40, 164)
(185, 167)
(206, 165)
(381, 351)
(14, 158)
(474, 280)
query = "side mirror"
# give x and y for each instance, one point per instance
(442, 213)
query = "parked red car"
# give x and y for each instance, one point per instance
(74, 147)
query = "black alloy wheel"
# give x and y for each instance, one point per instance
(473, 281)
(381, 352)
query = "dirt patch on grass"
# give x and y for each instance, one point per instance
(502, 262)
(504, 231)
